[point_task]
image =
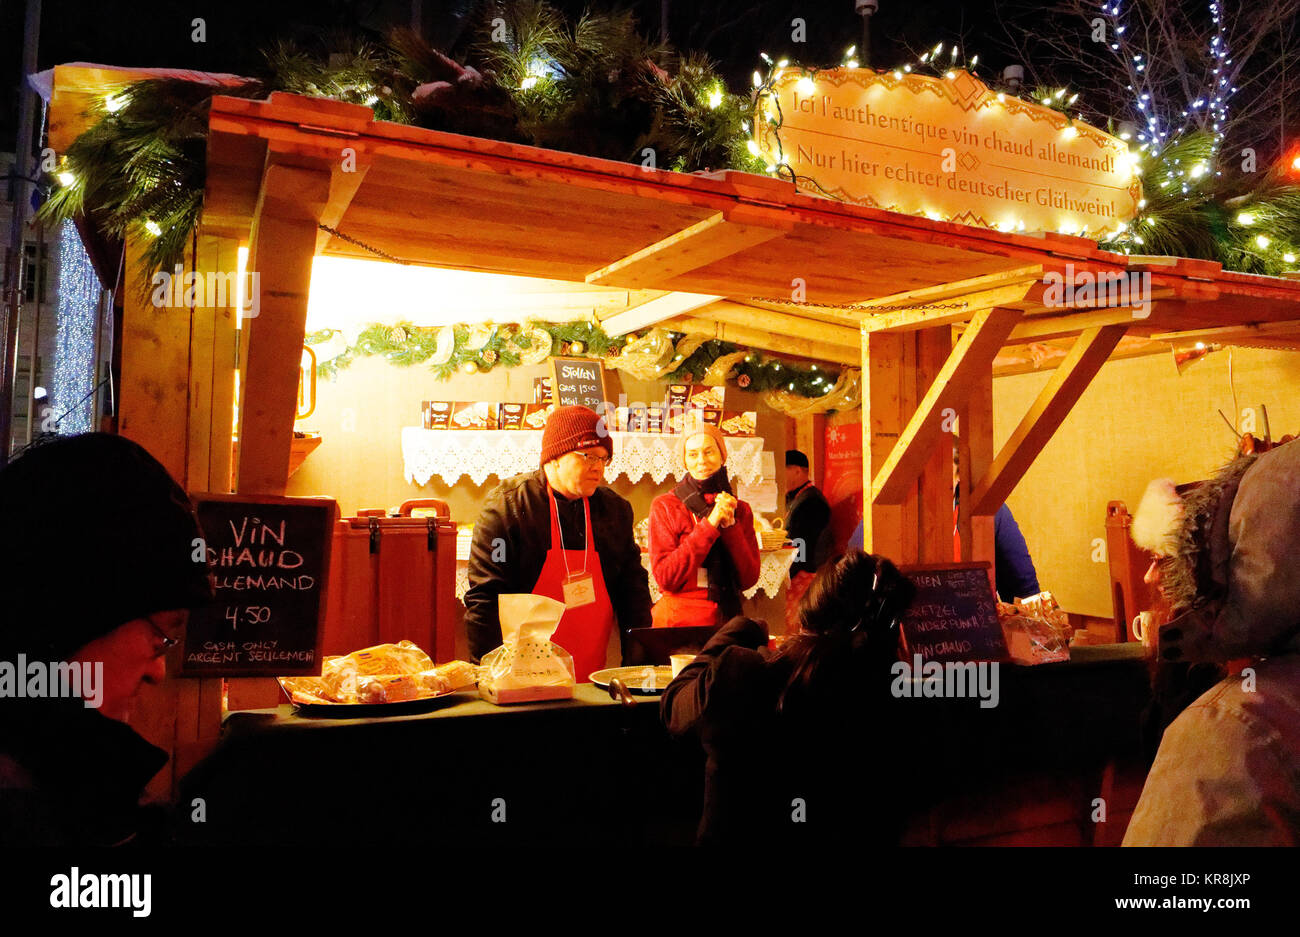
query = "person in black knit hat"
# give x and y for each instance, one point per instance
(100, 576)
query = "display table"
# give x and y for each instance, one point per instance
(588, 771)
(774, 569)
(453, 453)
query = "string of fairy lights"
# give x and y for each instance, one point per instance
(74, 342)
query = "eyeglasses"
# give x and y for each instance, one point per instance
(168, 642)
(601, 460)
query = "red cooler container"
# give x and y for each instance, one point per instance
(393, 578)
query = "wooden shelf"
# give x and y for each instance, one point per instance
(301, 448)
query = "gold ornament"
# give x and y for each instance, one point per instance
(470, 367)
(397, 335)
(578, 348)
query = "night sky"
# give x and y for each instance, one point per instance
(733, 32)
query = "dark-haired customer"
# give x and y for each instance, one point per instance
(792, 738)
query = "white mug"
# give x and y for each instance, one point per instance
(1144, 628)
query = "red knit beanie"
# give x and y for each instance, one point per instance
(696, 428)
(569, 429)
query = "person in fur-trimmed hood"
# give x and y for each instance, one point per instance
(1228, 769)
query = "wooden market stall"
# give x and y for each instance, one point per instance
(929, 310)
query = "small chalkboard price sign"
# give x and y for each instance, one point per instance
(270, 559)
(580, 382)
(954, 616)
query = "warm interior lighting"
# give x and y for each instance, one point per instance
(241, 264)
(349, 294)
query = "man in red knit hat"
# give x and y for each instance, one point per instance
(557, 532)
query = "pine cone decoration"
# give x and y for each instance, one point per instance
(397, 335)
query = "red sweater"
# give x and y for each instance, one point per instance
(679, 542)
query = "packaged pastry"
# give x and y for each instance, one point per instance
(678, 395)
(386, 673)
(655, 419)
(527, 666)
(474, 415)
(1036, 629)
(511, 415)
(536, 415)
(437, 414)
(542, 390)
(678, 419)
(739, 424)
(707, 397)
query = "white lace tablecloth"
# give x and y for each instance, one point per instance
(452, 453)
(774, 570)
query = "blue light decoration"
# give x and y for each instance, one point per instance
(71, 396)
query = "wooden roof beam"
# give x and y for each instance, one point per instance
(654, 312)
(1247, 330)
(344, 184)
(1058, 397)
(1047, 328)
(766, 341)
(971, 357)
(952, 302)
(715, 238)
(781, 323)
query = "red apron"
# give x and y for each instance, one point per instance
(585, 629)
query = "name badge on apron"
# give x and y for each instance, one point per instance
(579, 590)
(701, 578)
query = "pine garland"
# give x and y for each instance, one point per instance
(1191, 210)
(139, 171)
(405, 345)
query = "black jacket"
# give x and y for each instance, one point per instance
(808, 518)
(773, 777)
(72, 777)
(517, 514)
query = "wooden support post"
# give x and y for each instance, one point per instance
(154, 412)
(934, 494)
(972, 356)
(153, 408)
(886, 395)
(284, 241)
(976, 453)
(1045, 415)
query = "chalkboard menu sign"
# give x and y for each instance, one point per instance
(580, 382)
(270, 559)
(954, 616)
